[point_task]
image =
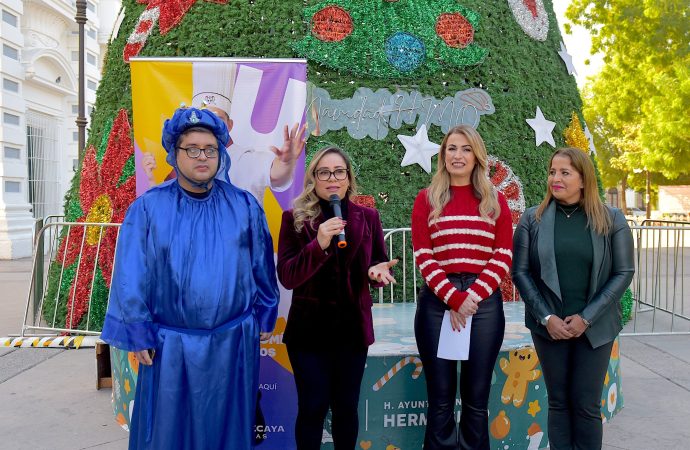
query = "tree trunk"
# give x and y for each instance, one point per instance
(624, 186)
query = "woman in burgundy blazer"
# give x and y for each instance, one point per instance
(329, 326)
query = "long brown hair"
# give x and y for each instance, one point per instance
(438, 192)
(598, 217)
(306, 206)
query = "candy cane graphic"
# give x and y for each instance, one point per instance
(510, 185)
(505, 180)
(396, 368)
(142, 30)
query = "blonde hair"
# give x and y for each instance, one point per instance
(306, 206)
(439, 193)
(598, 217)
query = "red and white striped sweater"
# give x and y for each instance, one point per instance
(460, 240)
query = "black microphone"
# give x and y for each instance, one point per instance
(335, 205)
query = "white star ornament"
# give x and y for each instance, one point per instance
(590, 138)
(418, 149)
(542, 129)
(567, 59)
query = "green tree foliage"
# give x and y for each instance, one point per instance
(638, 104)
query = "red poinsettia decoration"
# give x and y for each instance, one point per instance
(168, 13)
(102, 201)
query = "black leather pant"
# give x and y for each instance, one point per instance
(486, 337)
(574, 374)
(327, 378)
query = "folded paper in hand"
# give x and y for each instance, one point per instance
(454, 345)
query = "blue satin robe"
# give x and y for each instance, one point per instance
(195, 280)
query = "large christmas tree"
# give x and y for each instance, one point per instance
(415, 68)
(508, 49)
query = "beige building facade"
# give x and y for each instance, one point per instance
(38, 107)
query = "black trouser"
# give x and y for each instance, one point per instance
(486, 337)
(574, 374)
(327, 378)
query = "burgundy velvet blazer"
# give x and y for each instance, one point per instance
(301, 268)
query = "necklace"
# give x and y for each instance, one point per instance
(567, 216)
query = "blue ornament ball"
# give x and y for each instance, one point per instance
(405, 52)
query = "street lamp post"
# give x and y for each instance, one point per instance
(81, 117)
(648, 196)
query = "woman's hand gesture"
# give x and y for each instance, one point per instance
(457, 320)
(575, 325)
(381, 272)
(468, 307)
(328, 229)
(558, 329)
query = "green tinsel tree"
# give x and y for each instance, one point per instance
(438, 48)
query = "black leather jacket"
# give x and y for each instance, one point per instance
(536, 278)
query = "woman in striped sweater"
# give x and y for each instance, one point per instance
(462, 236)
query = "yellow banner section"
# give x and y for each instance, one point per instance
(158, 88)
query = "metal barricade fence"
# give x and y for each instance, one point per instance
(77, 245)
(399, 244)
(661, 304)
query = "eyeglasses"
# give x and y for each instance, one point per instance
(195, 152)
(325, 174)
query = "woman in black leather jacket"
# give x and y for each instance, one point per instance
(573, 260)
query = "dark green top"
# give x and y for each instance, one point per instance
(573, 248)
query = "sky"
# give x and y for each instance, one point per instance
(578, 44)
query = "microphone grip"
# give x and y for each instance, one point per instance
(337, 212)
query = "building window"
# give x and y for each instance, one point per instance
(91, 33)
(10, 119)
(10, 52)
(43, 150)
(91, 7)
(91, 85)
(75, 56)
(13, 153)
(9, 18)
(91, 59)
(75, 136)
(10, 86)
(75, 109)
(89, 110)
(14, 187)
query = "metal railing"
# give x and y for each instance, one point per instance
(399, 243)
(661, 304)
(68, 263)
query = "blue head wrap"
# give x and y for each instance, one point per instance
(186, 118)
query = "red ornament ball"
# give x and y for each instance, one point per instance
(364, 200)
(331, 24)
(455, 30)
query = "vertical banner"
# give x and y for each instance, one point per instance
(260, 97)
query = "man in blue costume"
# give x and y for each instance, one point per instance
(194, 286)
